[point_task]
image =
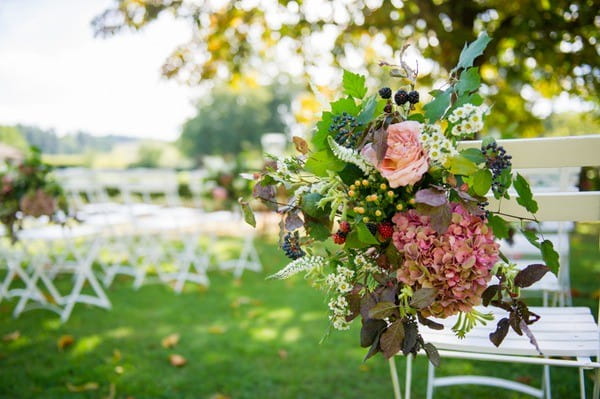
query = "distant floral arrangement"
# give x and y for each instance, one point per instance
(27, 188)
(388, 214)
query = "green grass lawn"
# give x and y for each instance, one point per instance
(248, 339)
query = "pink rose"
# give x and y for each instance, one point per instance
(405, 160)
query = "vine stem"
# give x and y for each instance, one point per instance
(516, 217)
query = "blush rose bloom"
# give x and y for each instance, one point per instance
(405, 160)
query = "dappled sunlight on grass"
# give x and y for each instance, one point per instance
(120, 332)
(264, 333)
(85, 345)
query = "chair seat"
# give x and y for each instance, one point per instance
(565, 331)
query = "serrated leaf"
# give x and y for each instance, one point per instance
(382, 310)
(532, 237)
(459, 165)
(498, 336)
(319, 138)
(482, 182)
(550, 255)
(474, 155)
(471, 51)
(469, 81)
(423, 297)
(247, 212)
(364, 234)
(431, 197)
(322, 161)
(530, 275)
(345, 105)
(371, 328)
(432, 354)
(391, 339)
(437, 107)
(499, 226)
(368, 110)
(354, 84)
(525, 198)
(489, 294)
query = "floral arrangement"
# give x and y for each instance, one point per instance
(27, 188)
(388, 214)
(222, 184)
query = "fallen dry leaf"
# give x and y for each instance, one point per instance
(65, 341)
(283, 354)
(177, 360)
(13, 336)
(170, 341)
(524, 379)
(219, 396)
(116, 355)
(216, 330)
(364, 367)
(88, 386)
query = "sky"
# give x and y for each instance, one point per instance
(55, 74)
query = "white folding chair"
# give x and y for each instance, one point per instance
(567, 336)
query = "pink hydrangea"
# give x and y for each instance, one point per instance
(457, 263)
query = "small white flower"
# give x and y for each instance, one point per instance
(453, 118)
(344, 287)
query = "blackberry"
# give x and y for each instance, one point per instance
(401, 97)
(413, 97)
(372, 228)
(339, 238)
(344, 226)
(385, 92)
(386, 229)
(388, 108)
(291, 246)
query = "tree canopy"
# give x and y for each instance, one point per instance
(231, 118)
(540, 47)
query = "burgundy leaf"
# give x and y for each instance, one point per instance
(391, 339)
(431, 197)
(530, 275)
(423, 298)
(489, 294)
(293, 221)
(380, 143)
(501, 330)
(371, 329)
(529, 334)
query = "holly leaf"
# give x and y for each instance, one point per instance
(391, 339)
(423, 297)
(431, 197)
(550, 255)
(525, 198)
(471, 51)
(482, 182)
(437, 107)
(354, 84)
(530, 275)
(469, 81)
(382, 310)
(498, 336)
(247, 212)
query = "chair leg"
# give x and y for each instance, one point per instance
(546, 386)
(430, 380)
(394, 375)
(581, 383)
(596, 394)
(408, 378)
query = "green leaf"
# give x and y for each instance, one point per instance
(321, 162)
(319, 138)
(354, 84)
(352, 241)
(525, 198)
(368, 110)
(474, 155)
(472, 51)
(499, 226)
(247, 212)
(532, 237)
(487, 140)
(469, 81)
(482, 182)
(460, 165)
(417, 117)
(351, 173)
(317, 230)
(550, 256)
(345, 105)
(435, 109)
(382, 310)
(364, 234)
(466, 98)
(309, 205)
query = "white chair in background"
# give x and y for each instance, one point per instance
(567, 336)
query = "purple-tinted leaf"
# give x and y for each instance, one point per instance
(530, 275)
(489, 294)
(374, 348)
(432, 354)
(370, 330)
(429, 323)
(391, 339)
(423, 298)
(265, 193)
(382, 310)
(366, 303)
(466, 196)
(410, 337)
(515, 321)
(353, 299)
(497, 336)
(441, 218)
(431, 197)
(380, 143)
(293, 221)
(529, 334)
